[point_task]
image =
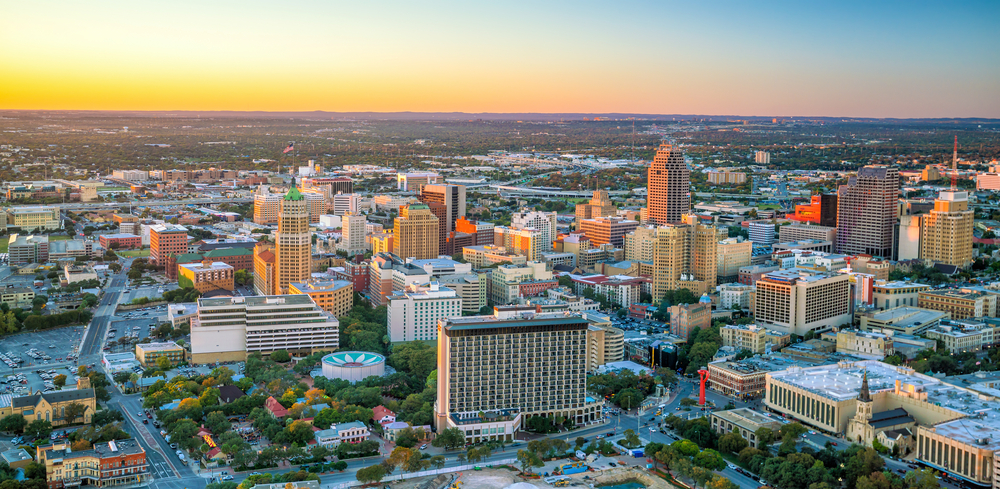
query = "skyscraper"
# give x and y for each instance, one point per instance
(866, 212)
(668, 186)
(293, 243)
(416, 233)
(599, 206)
(453, 198)
(544, 222)
(686, 257)
(946, 231)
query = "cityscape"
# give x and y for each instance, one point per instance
(429, 251)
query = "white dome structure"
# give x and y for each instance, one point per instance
(353, 366)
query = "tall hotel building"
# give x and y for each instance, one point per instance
(797, 301)
(668, 186)
(416, 233)
(946, 231)
(511, 368)
(451, 196)
(166, 240)
(227, 329)
(866, 212)
(293, 243)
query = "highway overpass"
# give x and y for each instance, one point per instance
(90, 206)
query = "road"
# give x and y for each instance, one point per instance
(149, 203)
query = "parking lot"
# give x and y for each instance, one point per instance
(63, 342)
(124, 333)
(148, 291)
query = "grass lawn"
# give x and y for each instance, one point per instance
(767, 207)
(3, 244)
(132, 253)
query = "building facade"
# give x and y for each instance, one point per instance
(946, 231)
(668, 186)
(166, 240)
(798, 301)
(206, 276)
(867, 210)
(416, 233)
(333, 296)
(293, 242)
(414, 312)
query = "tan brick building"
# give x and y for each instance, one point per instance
(416, 233)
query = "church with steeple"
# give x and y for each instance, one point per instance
(866, 425)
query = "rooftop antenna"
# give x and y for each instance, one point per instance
(954, 165)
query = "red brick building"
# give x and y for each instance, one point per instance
(167, 239)
(356, 273)
(238, 258)
(121, 241)
(533, 288)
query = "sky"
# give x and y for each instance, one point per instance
(753, 58)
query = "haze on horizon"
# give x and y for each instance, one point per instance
(775, 58)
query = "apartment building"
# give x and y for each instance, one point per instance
(167, 239)
(527, 242)
(621, 290)
(148, 353)
(966, 335)
(380, 270)
(27, 249)
(494, 372)
(414, 312)
(726, 176)
(733, 254)
(640, 244)
(110, 464)
(608, 230)
(799, 301)
(960, 303)
(744, 337)
(206, 276)
(227, 329)
(605, 343)
(799, 232)
(333, 296)
(509, 282)
(416, 233)
(543, 222)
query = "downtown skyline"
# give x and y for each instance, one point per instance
(892, 59)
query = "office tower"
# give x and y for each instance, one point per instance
(668, 186)
(508, 283)
(734, 254)
(453, 198)
(482, 232)
(24, 250)
(608, 230)
(344, 203)
(414, 311)
(528, 241)
(440, 211)
(686, 257)
(333, 296)
(316, 205)
(266, 206)
(416, 233)
(797, 301)
(352, 238)
(414, 182)
(762, 233)
(599, 206)
(167, 239)
(228, 329)
(293, 242)
(821, 210)
(544, 222)
(866, 212)
(380, 269)
(946, 231)
(762, 157)
(263, 269)
(329, 186)
(511, 368)
(799, 232)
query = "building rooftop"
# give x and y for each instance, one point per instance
(899, 285)
(321, 285)
(168, 228)
(259, 300)
(202, 266)
(113, 448)
(526, 320)
(120, 236)
(744, 416)
(433, 290)
(963, 294)
(167, 345)
(220, 252)
(293, 194)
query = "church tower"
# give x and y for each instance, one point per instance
(858, 429)
(864, 399)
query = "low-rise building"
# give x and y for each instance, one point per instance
(121, 241)
(470, 287)
(735, 296)
(890, 295)
(746, 379)
(333, 296)
(486, 255)
(24, 249)
(509, 282)
(115, 463)
(51, 406)
(965, 335)
(17, 297)
(350, 432)
(864, 344)
(685, 318)
(744, 421)
(904, 319)
(206, 276)
(959, 303)
(78, 273)
(744, 337)
(148, 353)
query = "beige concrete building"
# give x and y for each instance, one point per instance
(527, 242)
(726, 176)
(496, 372)
(735, 296)
(734, 253)
(640, 244)
(890, 295)
(599, 206)
(799, 301)
(744, 337)
(266, 206)
(486, 255)
(293, 242)
(227, 329)
(206, 276)
(29, 219)
(946, 231)
(864, 344)
(605, 343)
(904, 319)
(965, 335)
(416, 233)
(471, 287)
(607, 230)
(960, 303)
(333, 296)
(799, 232)
(745, 421)
(381, 242)
(686, 257)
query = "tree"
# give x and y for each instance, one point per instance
(35, 470)
(449, 438)
(13, 423)
(371, 474)
(629, 398)
(528, 459)
(184, 434)
(791, 430)
(280, 356)
(121, 376)
(710, 459)
(217, 423)
(732, 442)
(38, 428)
(631, 439)
(73, 411)
(163, 363)
(765, 436)
(921, 479)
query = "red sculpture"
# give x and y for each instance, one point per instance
(704, 378)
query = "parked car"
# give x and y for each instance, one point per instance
(227, 477)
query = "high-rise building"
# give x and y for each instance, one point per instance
(316, 204)
(797, 301)
(167, 239)
(608, 230)
(640, 244)
(686, 257)
(528, 241)
(668, 186)
(416, 234)
(866, 212)
(333, 296)
(946, 231)
(599, 206)
(414, 311)
(734, 253)
(762, 157)
(510, 368)
(544, 222)
(293, 242)
(266, 206)
(352, 240)
(821, 210)
(344, 203)
(470, 287)
(451, 196)
(440, 211)
(482, 232)
(263, 269)
(762, 233)
(227, 329)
